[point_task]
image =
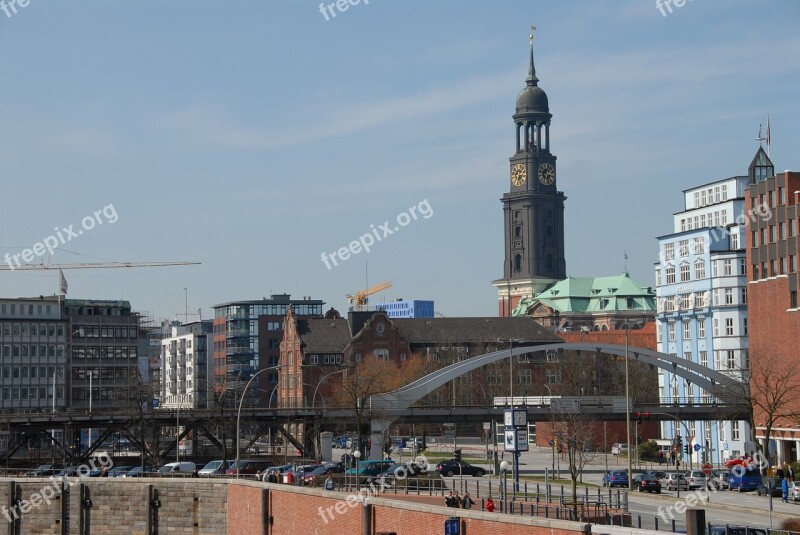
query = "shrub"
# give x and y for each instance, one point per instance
(791, 524)
(648, 451)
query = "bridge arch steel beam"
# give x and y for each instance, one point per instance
(712, 381)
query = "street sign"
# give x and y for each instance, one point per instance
(487, 426)
(522, 440)
(725, 446)
(452, 526)
(155, 403)
(697, 447)
(707, 469)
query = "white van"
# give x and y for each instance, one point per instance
(619, 448)
(183, 468)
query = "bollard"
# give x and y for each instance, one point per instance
(656, 519)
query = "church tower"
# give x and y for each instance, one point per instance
(533, 208)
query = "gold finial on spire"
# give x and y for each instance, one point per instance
(533, 29)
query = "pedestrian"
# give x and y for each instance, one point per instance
(489, 504)
(448, 500)
(259, 475)
(330, 484)
(272, 477)
(779, 473)
(195, 473)
(467, 502)
(457, 500)
(660, 457)
(289, 477)
(785, 489)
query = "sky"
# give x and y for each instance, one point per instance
(254, 136)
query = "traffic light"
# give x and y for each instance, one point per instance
(457, 455)
(679, 440)
(687, 448)
(647, 415)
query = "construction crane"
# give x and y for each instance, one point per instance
(92, 265)
(360, 298)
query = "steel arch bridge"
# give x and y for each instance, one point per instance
(715, 383)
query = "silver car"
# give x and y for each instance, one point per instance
(696, 479)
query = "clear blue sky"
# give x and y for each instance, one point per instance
(254, 135)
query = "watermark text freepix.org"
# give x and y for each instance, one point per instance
(340, 5)
(9, 7)
(54, 488)
(376, 234)
(62, 236)
(661, 4)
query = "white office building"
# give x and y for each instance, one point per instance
(185, 366)
(701, 290)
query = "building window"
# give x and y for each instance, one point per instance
(729, 326)
(658, 277)
(701, 328)
(744, 327)
(754, 238)
(743, 267)
(687, 355)
(699, 270)
(730, 359)
(734, 241)
(685, 301)
(782, 231)
(670, 274)
(524, 377)
(684, 248)
(313, 360)
(669, 251)
(687, 330)
(699, 245)
(792, 264)
(744, 296)
(728, 296)
(671, 332)
(716, 327)
(793, 299)
(553, 377)
(703, 358)
(735, 430)
(382, 354)
(658, 332)
(685, 273)
(715, 268)
(727, 267)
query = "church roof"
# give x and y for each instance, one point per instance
(618, 293)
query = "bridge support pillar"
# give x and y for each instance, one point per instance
(379, 432)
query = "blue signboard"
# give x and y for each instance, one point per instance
(452, 526)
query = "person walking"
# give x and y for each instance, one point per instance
(466, 502)
(489, 504)
(329, 484)
(785, 489)
(448, 500)
(457, 500)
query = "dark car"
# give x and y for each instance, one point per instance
(647, 483)
(320, 473)
(658, 474)
(735, 530)
(118, 471)
(147, 471)
(615, 478)
(454, 468)
(768, 485)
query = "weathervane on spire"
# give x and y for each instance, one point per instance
(760, 138)
(533, 29)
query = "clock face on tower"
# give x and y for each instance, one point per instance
(547, 174)
(518, 174)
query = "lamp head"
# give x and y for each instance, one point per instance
(357, 454)
(505, 465)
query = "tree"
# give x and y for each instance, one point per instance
(574, 432)
(369, 377)
(770, 395)
(137, 398)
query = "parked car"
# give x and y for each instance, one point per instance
(794, 490)
(138, 471)
(619, 448)
(647, 483)
(215, 468)
(658, 474)
(119, 471)
(735, 530)
(744, 479)
(454, 468)
(247, 467)
(615, 478)
(45, 470)
(182, 468)
(674, 481)
(68, 471)
(696, 479)
(369, 468)
(770, 485)
(321, 472)
(718, 480)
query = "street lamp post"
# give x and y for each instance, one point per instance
(316, 416)
(628, 410)
(504, 466)
(239, 412)
(357, 455)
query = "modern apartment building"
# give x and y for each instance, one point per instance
(34, 345)
(773, 248)
(106, 342)
(701, 288)
(185, 366)
(246, 339)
